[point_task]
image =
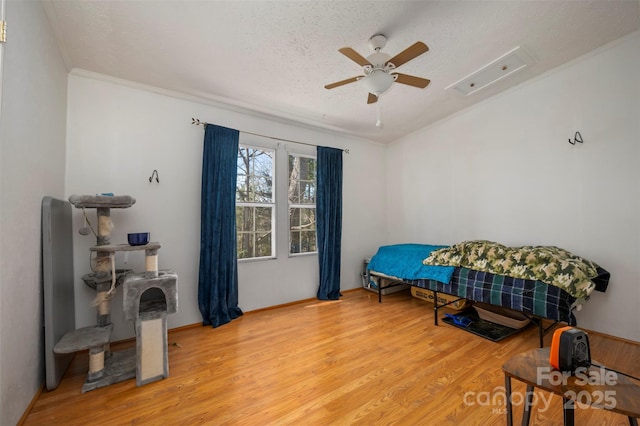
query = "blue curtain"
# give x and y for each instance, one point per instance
(218, 277)
(329, 220)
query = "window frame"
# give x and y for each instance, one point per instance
(291, 205)
(253, 204)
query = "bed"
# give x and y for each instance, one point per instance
(549, 284)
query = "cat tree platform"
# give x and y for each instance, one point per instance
(102, 201)
(103, 371)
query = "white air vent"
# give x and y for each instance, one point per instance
(509, 63)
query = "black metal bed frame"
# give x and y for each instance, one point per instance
(542, 330)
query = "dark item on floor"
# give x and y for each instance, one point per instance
(488, 330)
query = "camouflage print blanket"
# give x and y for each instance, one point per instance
(551, 265)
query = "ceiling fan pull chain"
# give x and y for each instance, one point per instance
(379, 115)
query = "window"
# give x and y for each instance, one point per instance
(302, 204)
(255, 203)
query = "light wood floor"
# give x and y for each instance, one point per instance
(352, 361)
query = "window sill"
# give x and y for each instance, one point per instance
(256, 259)
(313, 253)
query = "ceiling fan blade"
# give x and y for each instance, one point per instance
(343, 82)
(412, 80)
(416, 49)
(354, 56)
(372, 99)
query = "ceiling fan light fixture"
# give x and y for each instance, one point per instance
(378, 59)
(378, 68)
(377, 82)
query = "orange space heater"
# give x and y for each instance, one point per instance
(569, 349)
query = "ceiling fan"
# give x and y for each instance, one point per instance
(377, 67)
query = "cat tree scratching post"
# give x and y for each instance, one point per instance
(103, 266)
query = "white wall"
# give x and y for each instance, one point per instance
(32, 162)
(504, 171)
(119, 133)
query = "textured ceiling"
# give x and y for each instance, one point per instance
(275, 57)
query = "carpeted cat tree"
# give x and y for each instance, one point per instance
(148, 298)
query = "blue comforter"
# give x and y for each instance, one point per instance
(405, 261)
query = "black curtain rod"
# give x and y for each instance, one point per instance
(197, 122)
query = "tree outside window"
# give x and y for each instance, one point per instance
(302, 204)
(255, 203)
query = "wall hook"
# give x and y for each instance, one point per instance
(576, 139)
(155, 172)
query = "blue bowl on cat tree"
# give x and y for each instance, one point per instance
(138, 238)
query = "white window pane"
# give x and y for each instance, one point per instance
(254, 222)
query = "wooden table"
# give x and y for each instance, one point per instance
(595, 387)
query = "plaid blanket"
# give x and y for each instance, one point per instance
(528, 296)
